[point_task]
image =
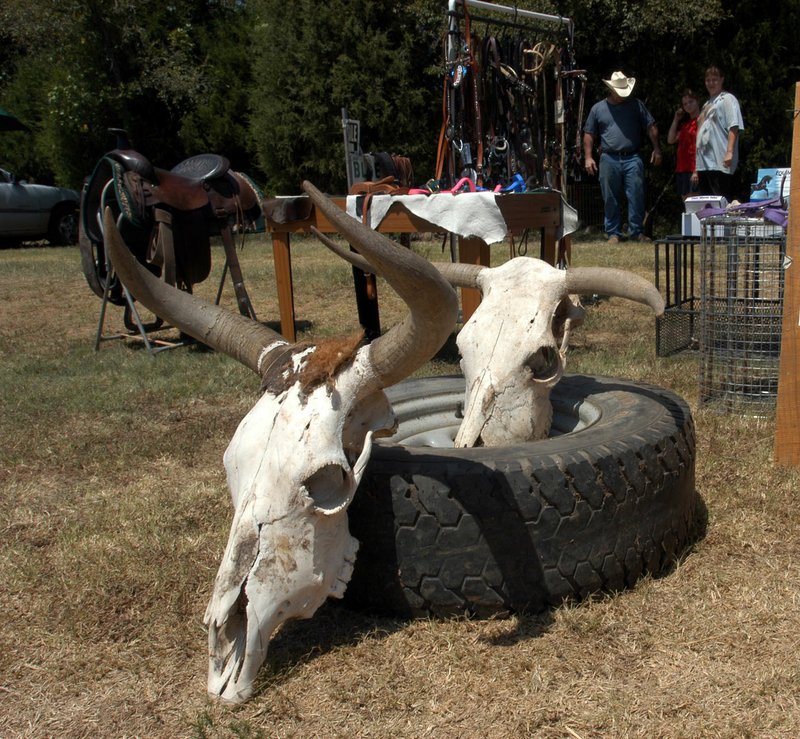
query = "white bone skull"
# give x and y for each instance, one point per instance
(289, 547)
(295, 460)
(514, 345)
(513, 352)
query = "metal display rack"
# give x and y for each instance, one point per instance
(467, 146)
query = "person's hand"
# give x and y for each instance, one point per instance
(590, 165)
(694, 179)
(655, 157)
(728, 160)
(679, 113)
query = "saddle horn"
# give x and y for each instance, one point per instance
(122, 142)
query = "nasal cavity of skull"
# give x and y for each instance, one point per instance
(330, 488)
(544, 363)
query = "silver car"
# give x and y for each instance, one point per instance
(30, 212)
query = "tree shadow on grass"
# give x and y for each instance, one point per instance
(299, 326)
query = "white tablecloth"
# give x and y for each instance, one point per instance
(473, 214)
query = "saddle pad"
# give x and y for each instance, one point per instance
(286, 209)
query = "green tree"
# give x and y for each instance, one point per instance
(152, 68)
(264, 81)
(377, 59)
(219, 120)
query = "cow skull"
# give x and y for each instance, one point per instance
(513, 347)
(296, 458)
(511, 355)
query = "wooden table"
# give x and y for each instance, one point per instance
(541, 211)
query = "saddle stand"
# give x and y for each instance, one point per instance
(166, 218)
(138, 329)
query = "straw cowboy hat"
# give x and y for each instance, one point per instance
(620, 84)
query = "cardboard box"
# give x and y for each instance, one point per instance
(690, 223)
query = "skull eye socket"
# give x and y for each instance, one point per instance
(330, 488)
(544, 364)
(560, 316)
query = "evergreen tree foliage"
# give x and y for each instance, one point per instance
(152, 68)
(313, 59)
(264, 81)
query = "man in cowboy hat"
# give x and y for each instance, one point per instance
(621, 123)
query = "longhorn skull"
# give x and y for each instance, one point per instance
(297, 457)
(513, 347)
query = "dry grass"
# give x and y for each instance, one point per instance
(114, 514)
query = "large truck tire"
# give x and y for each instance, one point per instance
(608, 498)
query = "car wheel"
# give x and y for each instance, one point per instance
(609, 497)
(63, 227)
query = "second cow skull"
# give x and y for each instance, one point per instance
(513, 347)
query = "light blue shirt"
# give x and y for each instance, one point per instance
(719, 115)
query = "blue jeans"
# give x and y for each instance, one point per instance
(622, 173)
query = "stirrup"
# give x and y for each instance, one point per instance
(465, 184)
(517, 184)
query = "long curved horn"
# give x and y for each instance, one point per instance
(458, 275)
(601, 280)
(230, 333)
(432, 303)
(616, 282)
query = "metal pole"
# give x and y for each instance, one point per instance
(517, 13)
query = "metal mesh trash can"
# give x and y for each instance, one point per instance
(741, 308)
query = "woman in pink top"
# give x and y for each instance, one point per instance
(683, 132)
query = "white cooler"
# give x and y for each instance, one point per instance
(690, 224)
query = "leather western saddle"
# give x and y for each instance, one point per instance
(167, 218)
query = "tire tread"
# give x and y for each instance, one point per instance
(462, 532)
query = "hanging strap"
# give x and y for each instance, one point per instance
(476, 103)
(161, 251)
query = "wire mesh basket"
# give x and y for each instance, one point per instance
(675, 270)
(741, 310)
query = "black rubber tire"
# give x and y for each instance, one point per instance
(62, 230)
(522, 528)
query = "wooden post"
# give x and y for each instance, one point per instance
(472, 251)
(283, 277)
(787, 417)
